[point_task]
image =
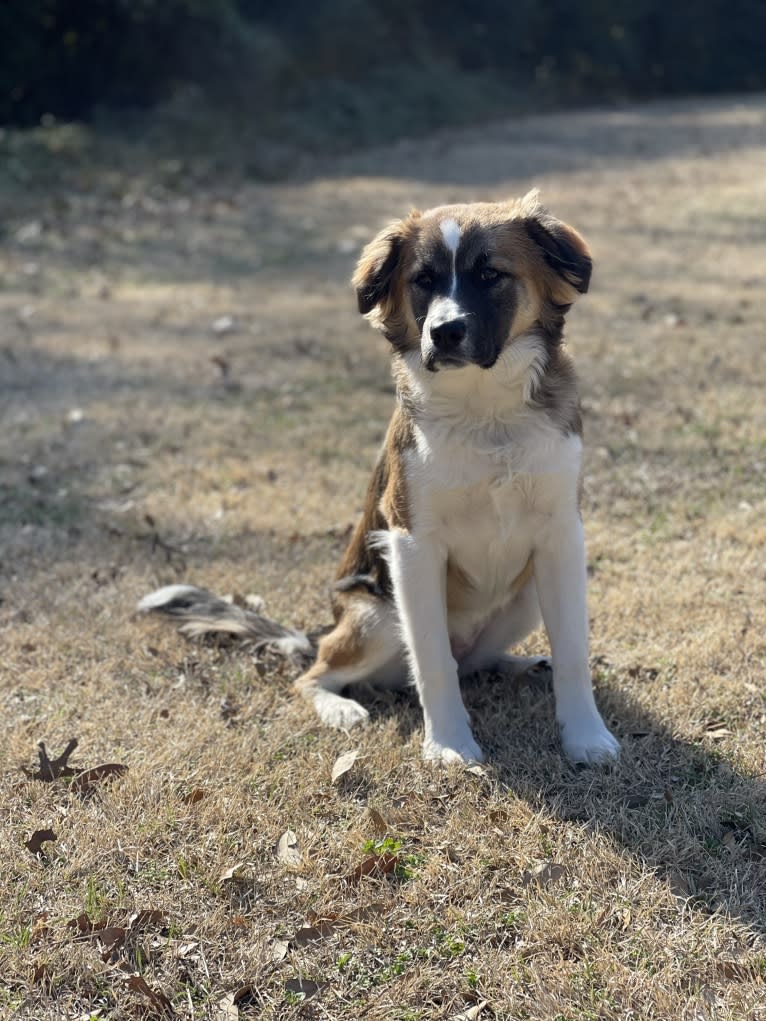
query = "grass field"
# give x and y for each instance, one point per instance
(142, 445)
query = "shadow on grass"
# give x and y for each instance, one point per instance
(678, 807)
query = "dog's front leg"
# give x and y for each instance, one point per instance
(418, 572)
(559, 562)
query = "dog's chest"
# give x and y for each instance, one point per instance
(487, 529)
(487, 506)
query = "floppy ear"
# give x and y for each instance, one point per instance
(564, 251)
(376, 270)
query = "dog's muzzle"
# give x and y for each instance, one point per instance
(446, 347)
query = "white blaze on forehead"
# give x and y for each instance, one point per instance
(451, 233)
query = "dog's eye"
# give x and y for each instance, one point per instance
(489, 276)
(424, 280)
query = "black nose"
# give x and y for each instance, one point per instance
(447, 335)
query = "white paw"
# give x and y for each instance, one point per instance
(587, 739)
(339, 712)
(460, 748)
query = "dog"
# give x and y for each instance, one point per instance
(471, 529)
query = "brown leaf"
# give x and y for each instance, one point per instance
(376, 865)
(84, 926)
(112, 937)
(287, 849)
(88, 777)
(157, 999)
(309, 933)
(302, 985)
(194, 795)
(52, 769)
(343, 764)
(40, 928)
(147, 917)
(38, 838)
(245, 994)
(41, 973)
(379, 824)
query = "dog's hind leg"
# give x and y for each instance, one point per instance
(363, 647)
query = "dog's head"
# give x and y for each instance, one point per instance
(460, 283)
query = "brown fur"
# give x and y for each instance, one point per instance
(386, 506)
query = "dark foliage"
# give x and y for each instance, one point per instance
(70, 58)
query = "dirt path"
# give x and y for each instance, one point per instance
(187, 392)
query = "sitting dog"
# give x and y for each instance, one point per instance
(471, 529)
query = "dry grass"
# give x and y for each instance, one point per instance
(535, 889)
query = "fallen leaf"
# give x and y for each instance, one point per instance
(301, 985)
(287, 849)
(234, 874)
(40, 928)
(41, 973)
(343, 764)
(88, 777)
(147, 917)
(245, 994)
(112, 937)
(157, 999)
(38, 838)
(279, 950)
(52, 769)
(309, 933)
(470, 1013)
(379, 824)
(544, 875)
(376, 865)
(84, 926)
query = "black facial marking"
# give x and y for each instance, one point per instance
(471, 324)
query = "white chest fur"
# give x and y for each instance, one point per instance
(483, 501)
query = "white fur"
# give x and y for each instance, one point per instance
(162, 596)
(451, 233)
(493, 482)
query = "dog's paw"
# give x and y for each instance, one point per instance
(339, 712)
(459, 748)
(588, 740)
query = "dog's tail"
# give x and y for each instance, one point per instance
(200, 612)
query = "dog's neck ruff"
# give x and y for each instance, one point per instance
(472, 398)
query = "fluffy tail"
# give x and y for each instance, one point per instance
(199, 612)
